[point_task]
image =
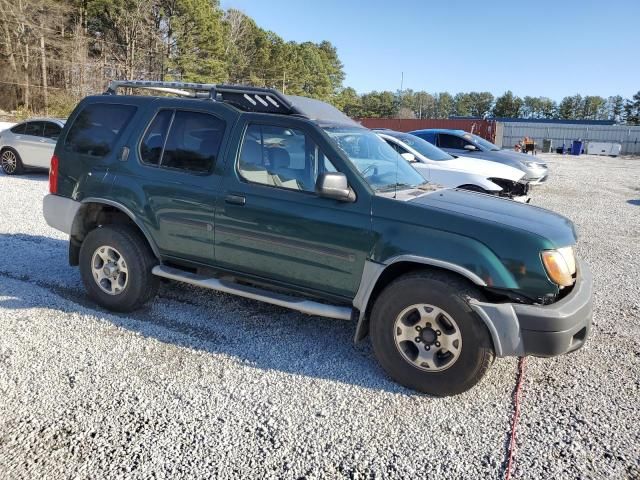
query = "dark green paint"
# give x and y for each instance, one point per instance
(297, 238)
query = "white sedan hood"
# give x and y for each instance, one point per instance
(476, 166)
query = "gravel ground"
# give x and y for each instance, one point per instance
(209, 385)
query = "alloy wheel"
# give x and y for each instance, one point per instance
(427, 337)
(109, 270)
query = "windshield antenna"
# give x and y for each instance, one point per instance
(395, 185)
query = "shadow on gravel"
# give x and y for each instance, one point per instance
(33, 175)
(261, 335)
(634, 202)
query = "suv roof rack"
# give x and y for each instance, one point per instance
(251, 99)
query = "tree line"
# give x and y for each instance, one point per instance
(54, 52)
(412, 104)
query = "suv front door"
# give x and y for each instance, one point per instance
(270, 223)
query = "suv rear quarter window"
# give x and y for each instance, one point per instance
(96, 129)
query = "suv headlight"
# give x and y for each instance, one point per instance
(532, 164)
(560, 265)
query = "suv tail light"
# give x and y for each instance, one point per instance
(53, 175)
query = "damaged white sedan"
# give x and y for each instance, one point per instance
(437, 166)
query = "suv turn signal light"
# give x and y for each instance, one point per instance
(556, 266)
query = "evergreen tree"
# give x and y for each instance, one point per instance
(615, 108)
(632, 110)
(508, 105)
(445, 105)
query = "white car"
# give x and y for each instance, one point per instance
(437, 166)
(29, 145)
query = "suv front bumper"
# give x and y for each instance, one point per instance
(561, 327)
(542, 330)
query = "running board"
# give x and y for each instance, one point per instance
(305, 306)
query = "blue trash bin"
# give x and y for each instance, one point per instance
(576, 147)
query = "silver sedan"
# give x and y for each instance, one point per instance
(29, 145)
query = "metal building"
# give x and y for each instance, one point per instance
(509, 133)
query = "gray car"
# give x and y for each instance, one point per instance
(459, 142)
(29, 145)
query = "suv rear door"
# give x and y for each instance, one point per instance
(270, 222)
(172, 175)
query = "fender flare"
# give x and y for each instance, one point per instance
(128, 213)
(373, 270)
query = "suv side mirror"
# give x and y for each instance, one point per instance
(471, 148)
(409, 157)
(334, 185)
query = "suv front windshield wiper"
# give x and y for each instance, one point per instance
(398, 186)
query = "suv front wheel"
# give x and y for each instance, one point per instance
(426, 336)
(115, 266)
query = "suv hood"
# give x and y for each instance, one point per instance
(480, 167)
(544, 223)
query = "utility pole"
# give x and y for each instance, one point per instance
(284, 79)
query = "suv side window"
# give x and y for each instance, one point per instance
(34, 129)
(193, 141)
(51, 130)
(97, 128)
(281, 157)
(153, 141)
(19, 129)
(451, 141)
(183, 140)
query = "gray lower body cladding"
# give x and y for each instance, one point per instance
(542, 330)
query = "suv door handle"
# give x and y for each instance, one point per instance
(235, 199)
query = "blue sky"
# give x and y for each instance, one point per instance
(586, 47)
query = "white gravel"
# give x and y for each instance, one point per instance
(208, 385)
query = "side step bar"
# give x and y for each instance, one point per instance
(305, 306)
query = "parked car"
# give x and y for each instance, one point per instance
(459, 142)
(286, 200)
(29, 145)
(437, 166)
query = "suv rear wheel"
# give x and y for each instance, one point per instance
(426, 336)
(115, 266)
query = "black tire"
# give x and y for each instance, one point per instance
(452, 295)
(13, 165)
(141, 285)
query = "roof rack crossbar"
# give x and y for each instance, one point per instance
(252, 99)
(177, 88)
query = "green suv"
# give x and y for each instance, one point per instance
(286, 200)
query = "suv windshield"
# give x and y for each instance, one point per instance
(484, 144)
(422, 146)
(378, 163)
